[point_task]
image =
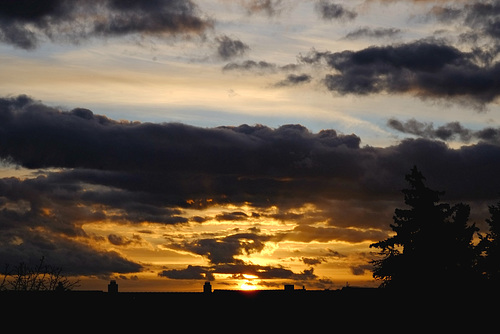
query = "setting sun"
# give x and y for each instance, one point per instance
(247, 284)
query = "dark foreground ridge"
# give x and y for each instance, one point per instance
(364, 308)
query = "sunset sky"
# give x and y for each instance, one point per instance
(252, 143)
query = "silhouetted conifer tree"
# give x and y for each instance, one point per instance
(432, 246)
(490, 247)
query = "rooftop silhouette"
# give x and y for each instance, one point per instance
(362, 307)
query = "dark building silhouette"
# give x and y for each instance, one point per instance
(289, 287)
(207, 287)
(112, 287)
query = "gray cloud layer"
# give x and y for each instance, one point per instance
(425, 68)
(24, 23)
(449, 131)
(329, 10)
(131, 173)
(96, 168)
(228, 48)
(482, 17)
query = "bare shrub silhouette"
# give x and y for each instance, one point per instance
(40, 277)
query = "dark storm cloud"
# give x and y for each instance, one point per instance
(221, 253)
(329, 10)
(144, 166)
(119, 240)
(191, 272)
(153, 168)
(224, 250)
(262, 272)
(445, 132)
(228, 48)
(482, 17)
(41, 218)
(448, 131)
(98, 169)
(231, 216)
(265, 272)
(75, 258)
(37, 136)
(25, 23)
(477, 24)
(425, 68)
(491, 135)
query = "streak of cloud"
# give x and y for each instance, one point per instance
(446, 132)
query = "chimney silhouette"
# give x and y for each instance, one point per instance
(112, 287)
(207, 288)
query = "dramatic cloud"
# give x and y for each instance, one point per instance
(102, 197)
(24, 23)
(449, 131)
(225, 249)
(262, 272)
(229, 48)
(427, 130)
(426, 68)
(191, 272)
(146, 161)
(28, 242)
(222, 252)
(482, 17)
(326, 185)
(333, 11)
(119, 240)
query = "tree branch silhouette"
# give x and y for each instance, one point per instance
(41, 277)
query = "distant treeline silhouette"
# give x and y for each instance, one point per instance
(433, 246)
(39, 277)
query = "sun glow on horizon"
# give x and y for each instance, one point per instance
(247, 285)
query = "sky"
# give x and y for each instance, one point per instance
(251, 143)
